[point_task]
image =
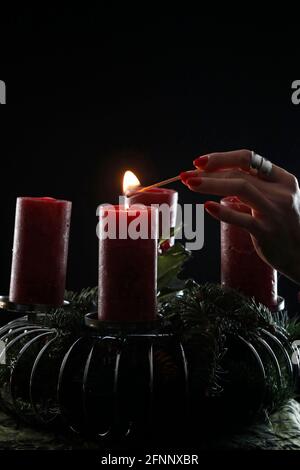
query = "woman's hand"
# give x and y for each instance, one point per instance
(275, 202)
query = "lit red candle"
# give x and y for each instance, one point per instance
(155, 196)
(241, 267)
(40, 251)
(127, 266)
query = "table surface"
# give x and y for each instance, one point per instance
(281, 432)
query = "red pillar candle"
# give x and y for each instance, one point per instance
(159, 196)
(127, 267)
(40, 251)
(241, 267)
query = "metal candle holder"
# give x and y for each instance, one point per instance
(10, 311)
(127, 383)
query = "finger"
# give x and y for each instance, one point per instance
(233, 187)
(237, 159)
(266, 187)
(230, 216)
(263, 185)
(224, 174)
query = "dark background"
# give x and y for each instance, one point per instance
(92, 93)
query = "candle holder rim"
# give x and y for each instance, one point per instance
(6, 304)
(92, 321)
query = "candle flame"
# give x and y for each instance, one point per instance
(130, 182)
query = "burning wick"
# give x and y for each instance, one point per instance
(130, 182)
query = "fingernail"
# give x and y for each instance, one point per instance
(201, 161)
(184, 175)
(211, 206)
(193, 181)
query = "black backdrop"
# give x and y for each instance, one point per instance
(100, 92)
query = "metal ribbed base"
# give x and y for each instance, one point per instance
(119, 385)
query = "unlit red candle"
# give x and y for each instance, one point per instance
(40, 251)
(241, 267)
(127, 267)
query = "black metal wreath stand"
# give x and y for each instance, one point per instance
(115, 383)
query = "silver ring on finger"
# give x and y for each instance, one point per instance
(261, 164)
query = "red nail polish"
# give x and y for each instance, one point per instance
(201, 161)
(211, 206)
(193, 181)
(188, 174)
(183, 176)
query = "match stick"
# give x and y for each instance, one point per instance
(160, 183)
